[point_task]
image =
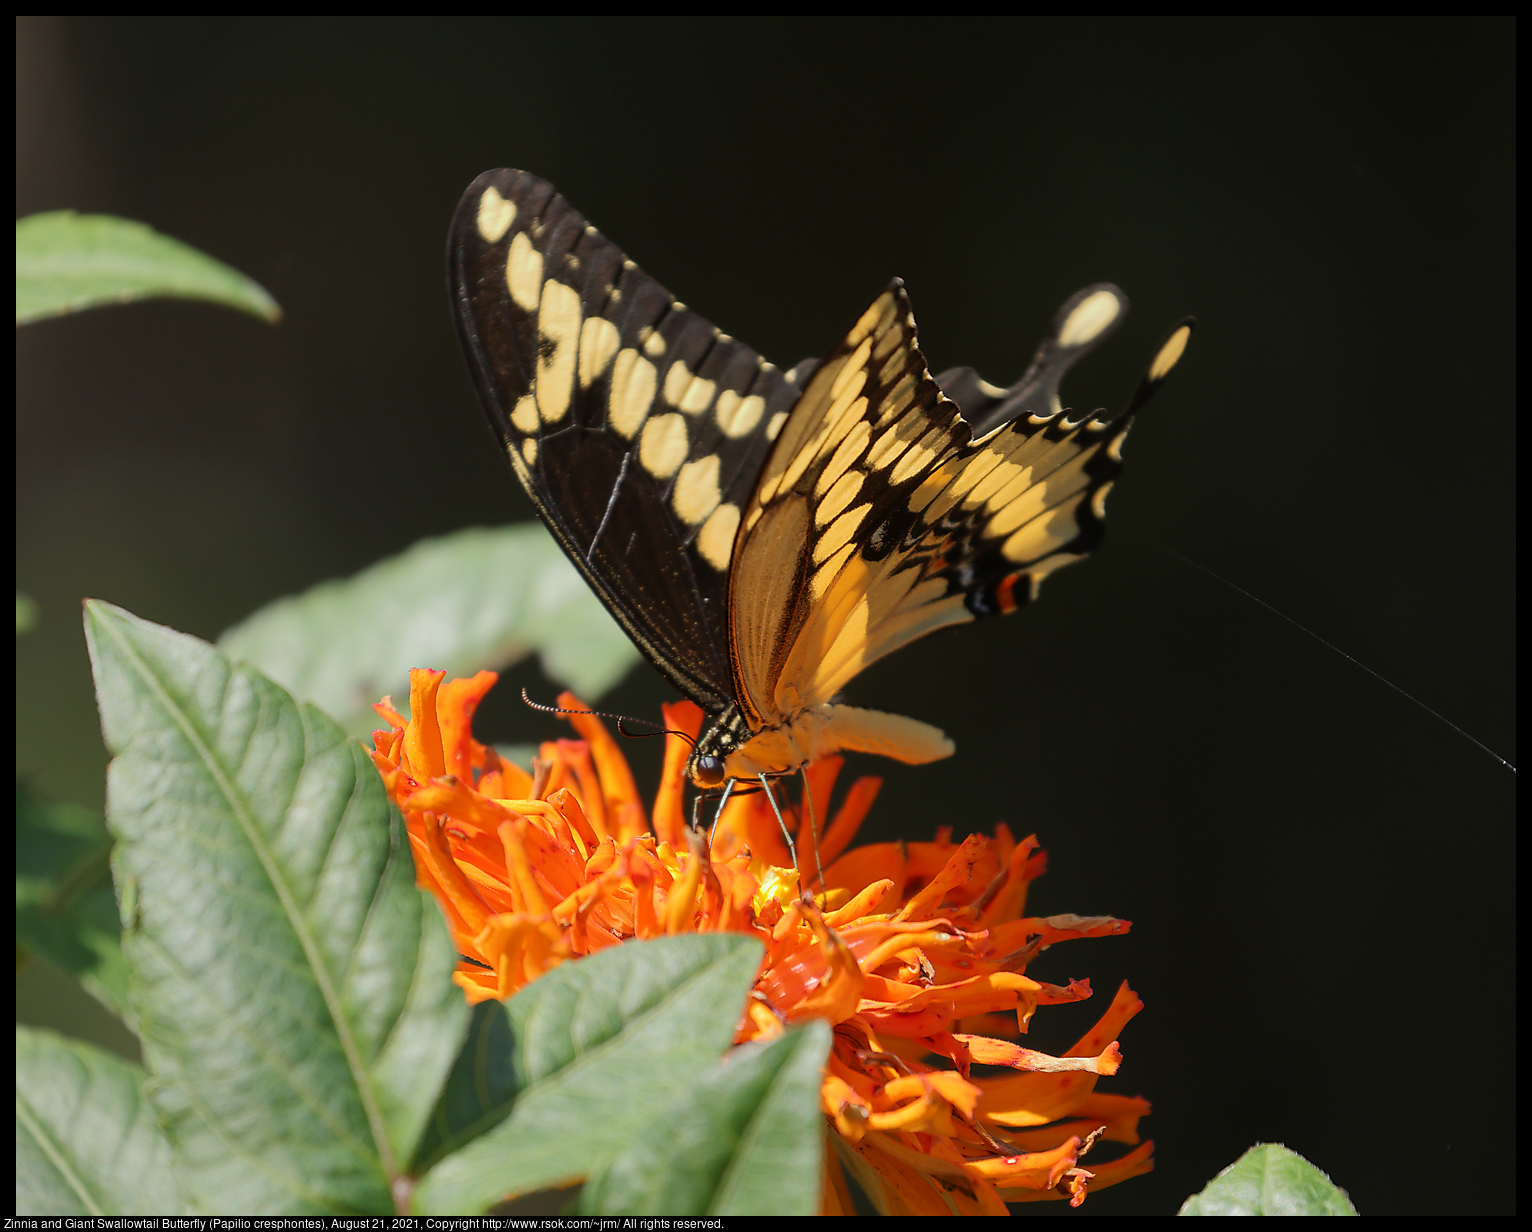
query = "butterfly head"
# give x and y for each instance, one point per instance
(709, 764)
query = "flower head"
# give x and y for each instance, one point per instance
(915, 952)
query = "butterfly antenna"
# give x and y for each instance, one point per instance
(620, 720)
(1410, 697)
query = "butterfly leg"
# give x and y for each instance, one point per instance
(792, 848)
(722, 800)
(808, 801)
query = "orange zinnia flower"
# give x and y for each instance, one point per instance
(914, 952)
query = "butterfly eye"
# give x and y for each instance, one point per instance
(708, 772)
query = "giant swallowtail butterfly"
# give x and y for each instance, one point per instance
(763, 535)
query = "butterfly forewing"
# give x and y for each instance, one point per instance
(636, 427)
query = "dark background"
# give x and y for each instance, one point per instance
(1319, 871)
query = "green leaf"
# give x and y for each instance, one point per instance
(581, 1062)
(86, 1140)
(67, 261)
(65, 909)
(293, 988)
(745, 1138)
(475, 599)
(1269, 1179)
(26, 614)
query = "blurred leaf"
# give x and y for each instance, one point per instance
(1269, 1179)
(744, 1138)
(293, 987)
(581, 1062)
(67, 261)
(475, 599)
(65, 908)
(26, 614)
(86, 1140)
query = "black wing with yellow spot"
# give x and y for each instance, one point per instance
(762, 547)
(894, 504)
(636, 427)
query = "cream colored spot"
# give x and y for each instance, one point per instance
(686, 392)
(931, 487)
(916, 458)
(774, 428)
(826, 573)
(897, 400)
(755, 516)
(676, 380)
(598, 343)
(892, 440)
(1041, 538)
(1001, 475)
(1091, 315)
(633, 383)
(1170, 354)
(715, 541)
(838, 497)
(1098, 500)
(889, 342)
(832, 428)
(696, 492)
(652, 341)
(524, 273)
(896, 363)
(853, 370)
(1114, 446)
(1013, 488)
(847, 452)
(558, 322)
(524, 418)
(736, 416)
(529, 451)
(840, 531)
(496, 215)
(662, 448)
(877, 317)
(1031, 503)
(698, 396)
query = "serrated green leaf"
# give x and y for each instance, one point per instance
(293, 988)
(745, 1138)
(65, 908)
(67, 261)
(86, 1140)
(596, 1049)
(475, 599)
(1269, 1179)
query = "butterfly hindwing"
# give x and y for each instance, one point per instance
(635, 426)
(888, 509)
